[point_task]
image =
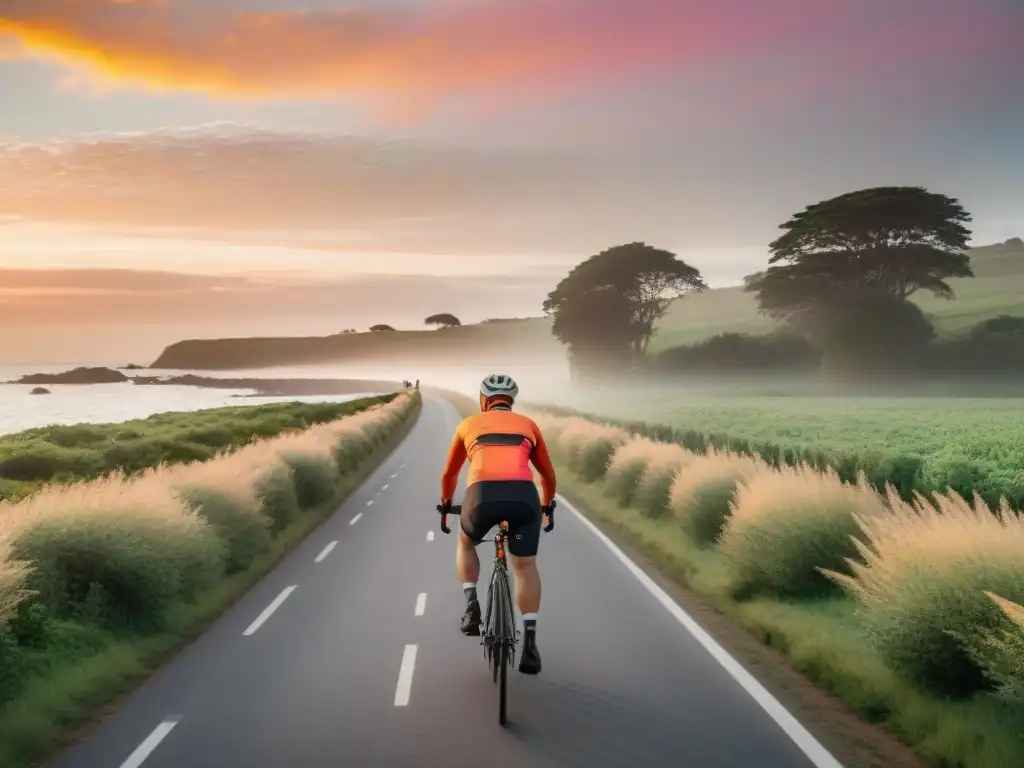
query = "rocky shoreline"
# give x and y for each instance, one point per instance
(262, 387)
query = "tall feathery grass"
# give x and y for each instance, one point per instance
(588, 447)
(703, 490)
(13, 574)
(785, 525)
(920, 582)
(664, 462)
(1000, 653)
(119, 550)
(625, 468)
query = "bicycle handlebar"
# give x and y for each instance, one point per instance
(456, 509)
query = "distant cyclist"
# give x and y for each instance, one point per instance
(500, 445)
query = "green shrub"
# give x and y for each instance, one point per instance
(276, 493)
(920, 587)
(239, 524)
(1000, 653)
(703, 491)
(314, 478)
(132, 568)
(652, 493)
(623, 478)
(594, 457)
(784, 525)
(73, 435)
(349, 452)
(44, 461)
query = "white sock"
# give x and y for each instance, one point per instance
(530, 619)
(468, 584)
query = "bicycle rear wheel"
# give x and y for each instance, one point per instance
(504, 635)
(503, 685)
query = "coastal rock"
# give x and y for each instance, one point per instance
(80, 375)
(39, 391)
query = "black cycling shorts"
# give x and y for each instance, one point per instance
(488, 502)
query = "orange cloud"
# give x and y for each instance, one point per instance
(10, 48)
(495, 51)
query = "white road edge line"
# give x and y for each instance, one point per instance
(251, 630)
(430, 535)
(421, 603)
(816, 753)
(151, 742)
(405, 676)
(355, 519)
(325, 552)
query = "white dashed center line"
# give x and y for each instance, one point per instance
(269, 610)
(385, 487)
(355, 519)
(325, 552)
(430, 535)
(369, 503)
(421, 603)
(151, 742)
(405, 673)
(394, 476)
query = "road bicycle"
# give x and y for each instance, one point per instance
(500, 636)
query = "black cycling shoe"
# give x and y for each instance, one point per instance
(529, 662)
(471, 619)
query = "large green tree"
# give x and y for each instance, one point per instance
(878, 242)
(596, 326)
(645, 279)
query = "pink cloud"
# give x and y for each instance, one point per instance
(406, 60)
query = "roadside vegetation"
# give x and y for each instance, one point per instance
(102, 578)
(970, 446)
(909, 611)
(70, 454)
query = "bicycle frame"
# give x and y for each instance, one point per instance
(509, 636)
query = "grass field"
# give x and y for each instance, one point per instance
(85, 451)
(102, 579)
(984, 429)
(966, 443)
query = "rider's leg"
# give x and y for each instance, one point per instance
(527, 585)
(467, 563)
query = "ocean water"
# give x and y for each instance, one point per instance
(100, 403)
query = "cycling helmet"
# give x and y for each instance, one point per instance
(499, 385)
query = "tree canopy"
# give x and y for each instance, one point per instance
(603, 315)
(443, 320)
(644, 277)
(381, 327)
(883, 241)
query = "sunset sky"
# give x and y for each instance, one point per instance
(267, 167)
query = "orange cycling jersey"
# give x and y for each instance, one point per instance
(500, 444)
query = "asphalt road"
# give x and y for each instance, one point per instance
(348, 654)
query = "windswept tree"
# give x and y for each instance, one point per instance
(880, 242)
(443, 320)
(380, 327)
(647, 278)
(597, 327)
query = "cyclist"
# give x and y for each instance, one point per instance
(500, 445)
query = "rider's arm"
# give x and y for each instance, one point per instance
(453, 464)
(542, 461)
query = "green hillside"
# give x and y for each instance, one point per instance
(998, 288)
